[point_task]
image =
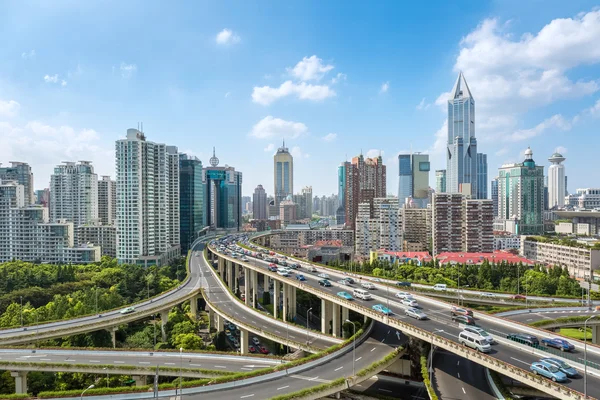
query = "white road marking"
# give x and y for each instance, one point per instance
(145, 362)
(464, 391)
(458, 373)
(373, 349)
(169, 363)
(248, 395)
(247, 369)
(45, 359)
(385, 390)
(358, 359)
(119, 362)
(94, 361)
(458, 363)
(337, 369)
(220, 366)
(521, 361)
(283, 387)
(312, 379)
(194, 365)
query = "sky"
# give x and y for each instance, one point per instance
(333, 79)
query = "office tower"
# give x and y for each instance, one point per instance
(351, 192)
(566, 187)
(283, 164)
(259, 203)
(405, 178)
(494, 188)
(317, 205)
(413, 179)
(107, 200)
(223, 188)
(416, 226)
(19, 172)
(461, 158)
(147, 200)
(288, 211)
(482, 176)
(307, 195)
(246, 204)
(556, 181)
(74, 194)
(447, 219)
(340, 213)
(192, 218)
(42, 197)
(478, 226)
(521, 196)
(440, 181)
(389, 224)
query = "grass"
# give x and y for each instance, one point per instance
(575, 333)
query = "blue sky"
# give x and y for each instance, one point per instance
(332, 78)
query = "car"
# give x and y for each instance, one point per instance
(562, 366)
(558, 343)
(312, 269)
(127, 310)
(548, 370)
(300, 277)
(460, 311)
(344, 282)
(345, 295)
(403, 283)
(376, 279)
(529, 340)
(325, 283)
(229, 334)
(481, 333)
(283, 272)
(382, 309)
(350, 280)
(463, 319)
(415, 313)
(403, 295)
(236, 342)
(485, 294)
(272, 268)
(263, 350)
(323, 275)
(518, 297)
(244, 258)
(252, 349)
(295, 265)
(368, 285)
(409, 301)
(256, 341)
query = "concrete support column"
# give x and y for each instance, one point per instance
(112, 331)
(140, 380)
(236, 278)
(230, 267)
(325, 315)
(276, 296)
(194, 307)
(285, 312)
(254, 288)
(219, 323)
(345, 314)
(221, 264)
(265, 283)
(595, 333)
(336, 320)
(20, 381)
(292, 296)
(247, 279)
(164, 318)
(211, 318)
(244, 341)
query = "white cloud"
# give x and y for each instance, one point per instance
(554, 122)
(63, 83)
(310, 68)
(9, 108)
(227, 36)
(561, 150)
(28, 54)
(441, 139)
(374, 153)
(127, 70)
(594, 111)
(384, 87)
(330, 137)
(298, 154)
(270, 127)
(270, 147)
(422, 105)
(338, 78)
(51, 78)
(266, 95)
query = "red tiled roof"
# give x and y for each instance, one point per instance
(477, 258)
(420, 255)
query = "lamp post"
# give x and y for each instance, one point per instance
(88, 388)
(106, 369)
(96, 290)
(353, 347)
(585, 356)
(180, 368)
(307, 316)
(21, 310)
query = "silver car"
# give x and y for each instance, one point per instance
(415, 313)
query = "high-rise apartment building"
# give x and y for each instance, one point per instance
(42, 197)
(288, 211)
(96, 234)
(147, 200)
(494, 190)
(348, 184)
(20, 172)
(440, 181)
(556, 181)
(223, 188)
(413, 179)
(192, 206)
(74, 194)
(107, 200)
(447, 219)
(304, 202)
(382, 231)
(416, 224)
(366, 233)
(283, 166)
(259, 203)
(482, 176)
(405, 178)
(461, 158)
(478, 226)
(521, 196)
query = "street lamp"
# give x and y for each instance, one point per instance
(585, 356)
(307, 316)
(353, 348)
(106, 369)
(96, 290)
(180, 367)
(21, 310)
(88, 388)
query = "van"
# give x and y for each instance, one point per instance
(362, 294)
(474, 341)
(440, 287)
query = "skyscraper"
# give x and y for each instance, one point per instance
(521, 196)
(304, 203)
(107, 200)
(556, 181)
(259, 203)
(147, 200)
(440, 181)
(482, 177)
(20, 172)
(192, 217)
(461, 157)
(494, 189)
(340, 214)
(413, 179)
(223, 188)
(283, 165)
(447, 219)
(404, 177)
(371, 174)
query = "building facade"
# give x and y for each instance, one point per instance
(259, 203)
(556, 181)
(447, 220)
(20, 172)
(223, 188)
(283, 168)
(482, 176)
(103, 236)
(440, 181)
(494, 190)
(413, 179)
(107, 200)
(416, 224)
(506, 241)
(292, 241)
(192, 206)
(147, 201)
(478, 229)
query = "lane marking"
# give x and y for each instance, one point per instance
(464, 391)
(45, 359)
(283, 387)
(169, 363)
(248, 395)
(458, 373)
(521, 361)
(385, 390)
(144, 362)
(373, 349)
(119, 362)
(94, 361)
(220, 366)
(359, 358)
(194, 365)
(337, 369)
(312, 379)
(458, 363)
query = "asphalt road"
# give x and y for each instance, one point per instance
(528, 318)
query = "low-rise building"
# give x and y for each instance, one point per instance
(292, 241)
(496, 257)
(97, 234)
(327, 251)
(506, 241)
(401, 257)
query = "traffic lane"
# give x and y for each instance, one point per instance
(455, 377)
(379, 386)
(380, 343)
(532, 316)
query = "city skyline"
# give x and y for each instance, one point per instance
(55, 98)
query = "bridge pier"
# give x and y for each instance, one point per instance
(243, 341)
(254, 287)
(112, 331)
(194, 307)
(345, 315)
(164, 318)
(325, 316)
(336, 320)
(595, 333)
(292, 305)
(265, 283)
(276, 296)
(20, 381)
(140, 380)
(230, 267)
(236, 278)
(286, 302)
(247, 279)
(221, 264)
(219, 323)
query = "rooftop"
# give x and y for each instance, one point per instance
(478, 258)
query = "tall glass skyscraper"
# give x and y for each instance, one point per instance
(494, 190)
(191, 200)
(413, 178)
(440, 181)
(557, 181)
(404, 178)
(461, 156)
(283, 174)
(482, 177)
(223, 191)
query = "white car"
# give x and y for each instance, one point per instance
(409, 301)
(488, 295)
(415, 313)
(368, 285)
(323, 275)
(312, 269)
(481, 333)
(403, 295)
(283, 272)
(256, 341)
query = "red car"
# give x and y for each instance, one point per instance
(251, 349)
(272, 267)
(263, 350)
(518, 297)
(461, 311)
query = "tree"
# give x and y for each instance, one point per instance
(188, 341)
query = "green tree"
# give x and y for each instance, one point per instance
(188, 341)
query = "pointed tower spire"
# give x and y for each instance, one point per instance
(460, 89)
(283, 143)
